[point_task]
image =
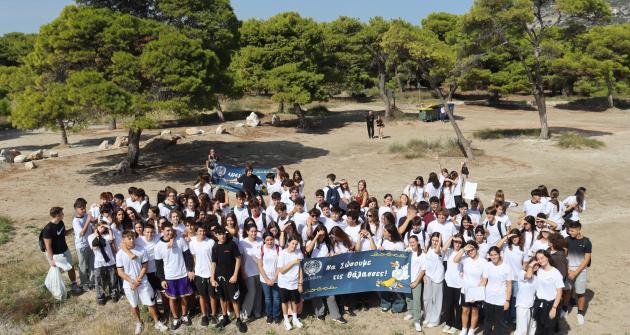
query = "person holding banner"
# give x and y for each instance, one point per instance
(414, 300)
(472, 291)
(290, 281)
(391, 301)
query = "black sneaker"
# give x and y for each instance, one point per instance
(223, 321)
(186, 320)
(101, 302)
(351, 313)
(277, 321)
(269, 320)
(204, 321)
(116, 298)
(175, 324)
(213, 319)
(242, 327)
(321, 318)
(341, 320)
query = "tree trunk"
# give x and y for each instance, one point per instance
(64, 132)
(133, 150)
(220, 112)
(281, 107)
(112, 123)
(383, 91)
(538, 91)
(301, 115)
(609, 86)
(399, 81)
(539, 97)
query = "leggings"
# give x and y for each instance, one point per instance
(493, 320)
(452, 307)
(544, 325)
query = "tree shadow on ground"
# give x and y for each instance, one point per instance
(184, 162)
(597, 104)
(504, 104)
(85, 142)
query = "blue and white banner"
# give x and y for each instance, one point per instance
(225, 177)
(357, 272)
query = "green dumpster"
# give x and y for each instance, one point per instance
(432, 112)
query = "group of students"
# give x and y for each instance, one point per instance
(468, 262)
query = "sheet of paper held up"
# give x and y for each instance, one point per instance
(469, 190)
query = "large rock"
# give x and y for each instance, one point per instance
(121, 141)
(5, 156)
(14, 153)
(50, 154)
(166, 132)
(252, 120)
(20, 159)
(220, 130)
(104, 145)
(121, 168)
(37, 155)
(275, 120)
(30, 165)
(158, 143)
(194, 131)
(239, 129)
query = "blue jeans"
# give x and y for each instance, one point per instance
(272, 300)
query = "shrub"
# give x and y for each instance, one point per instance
(491, 134)
(6, 227)
(416, 148)
(577, 141)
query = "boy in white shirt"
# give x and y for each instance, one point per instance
(270, 212)
(240, 210)
(136, 287)
(534, 205)
(82, 227)
(272, 186)
(201, 249)
(104, 248)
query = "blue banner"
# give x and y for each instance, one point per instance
(225, 177)
(364, 271)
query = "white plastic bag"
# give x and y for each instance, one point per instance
(54, 283)
(62, 263)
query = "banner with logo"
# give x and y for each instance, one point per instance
(364, 271)
(225, 176)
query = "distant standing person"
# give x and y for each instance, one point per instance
(54, 238)
(381, 125)
(248, 180)
(369, 119)
(212, 161)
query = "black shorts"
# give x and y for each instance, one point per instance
(203, 287)
(289, 296)
(476, 304)
(227, 290)
(154, 281)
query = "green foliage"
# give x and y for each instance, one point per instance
(5, 107)
(417, 148)
(14, 47)
(6, 229)
(577, 141)
(491, 134)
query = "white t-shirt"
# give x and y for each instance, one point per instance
(77, 225)
(289, 280)
(434, 267)
(250, 250)
(393, 246)
(446, 230)
(514, 258)
(497, 276)
(414, 192)
(99, 260)
(330, 223)
(483, 250)
(538, 245)
(473, 270)
(353, 232)
(526, 292)
(275, 187)
(132, 267)
(365, 245)
(423, 238)
(319, 250)
(417, 264)
(575, 215)
(533, 209)
(340, 248)
(300, 220)
(384, 209)
(270, 261)
(271, 213)
(453, 270)
(547, 282)
(241, 215)
(148, 248)
(494, 235)
(432, 191)
(449, 197)
(207, 189)
(202, 250)
(174, 265)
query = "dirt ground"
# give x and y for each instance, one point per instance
(339, 145)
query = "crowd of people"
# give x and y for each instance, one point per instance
(196, 253)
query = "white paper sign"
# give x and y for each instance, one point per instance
(469, 190)
(475, 294)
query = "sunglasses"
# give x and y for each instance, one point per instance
(370, 215)
(456, 241)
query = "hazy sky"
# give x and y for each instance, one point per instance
(28, 15)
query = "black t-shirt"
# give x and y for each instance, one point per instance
(577, 250)
(369, 119)
(57, 234)
(225, 256)
(249, 183)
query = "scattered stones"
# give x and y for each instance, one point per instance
(37, 155)
(50, 154)
(252, 120)
(30, 165)
(121, 168)
(104, 145)
(121, 141)
(20, 159)
(158, 143)
(166, 132)
(220, 130)
(239, 129)
(275, 120)
(194, 131)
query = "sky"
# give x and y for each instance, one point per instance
(27, 15)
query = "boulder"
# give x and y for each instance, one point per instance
(275, 120)
(121, 141)
(166, 132)
(252, 120)
(194, 131)
(121, 168)
(5, 156)
(50, 154)
(14, 153)
(220, 130)
(104, 145)
(239, 129)
(158, 143)
(20, 159)
(37, 155)
(30, 165)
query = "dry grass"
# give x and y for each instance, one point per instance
(492, 134)
(417, 148)
(6, 227)
(577, 141)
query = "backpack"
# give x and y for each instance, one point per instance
(499, 225)
(332, 196)
(42, 245)
(262, 250)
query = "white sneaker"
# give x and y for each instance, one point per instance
(418, 326)
(464, 331)
(139, 328)
(160, 326)
(580, 319)
(446, 329)
(563, 314)
(297, 323)
(471, 332)
(287, 324)
(453, 330)
(408, 317)
(424, 323)
(430, 325)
